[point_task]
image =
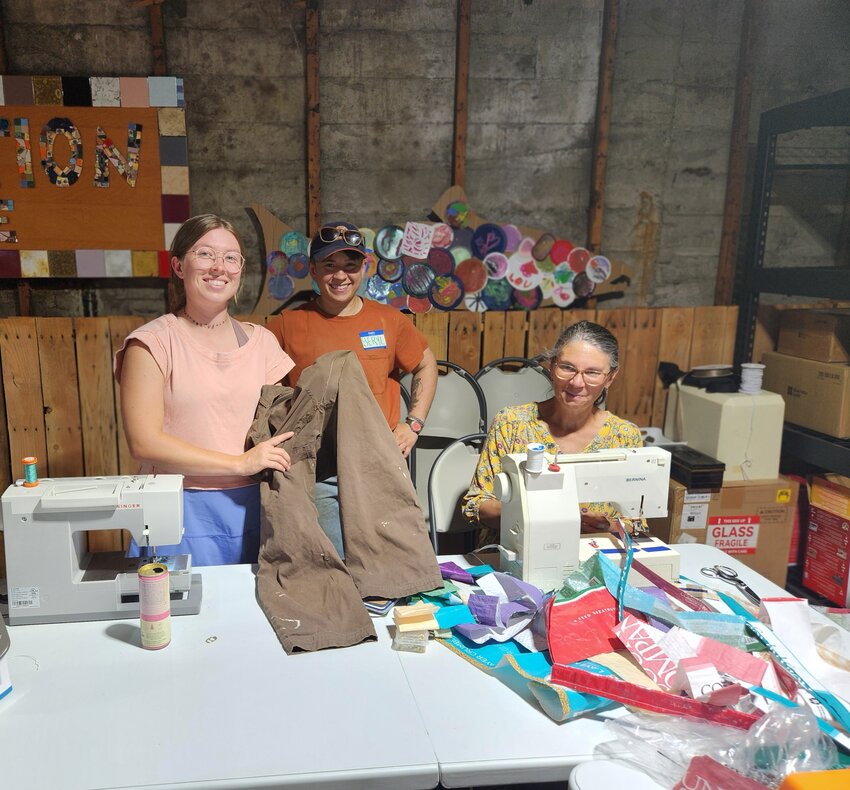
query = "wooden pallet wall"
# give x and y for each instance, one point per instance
(59, 400)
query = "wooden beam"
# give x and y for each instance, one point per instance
(737, 166)
(314, 190)
(3, 64)
(596, 208)
(461, 118)
(160, 62)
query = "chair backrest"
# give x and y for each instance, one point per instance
(448, 481)
(503, 386)
(459, 406)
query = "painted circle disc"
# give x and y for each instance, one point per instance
(543, 246)
(293, 242)
(391, 271)
(497, 294)
(563, 295)
(496, 264)
(457, 214)
(560, 251)
(388, 242)
(281, 286)
(460, 254)
(276, 262)
(583, 285)
(446, 292)
(418, 305)
(443, 235)
(578, 258)
(299, 266)
(598, 269)
(418, 279)
(475, 303)
(527, 300)
(377, 288)
(472, 274)
(488, 238)
(512, 237)
(441, 260)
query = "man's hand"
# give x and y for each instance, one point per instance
(405, 438)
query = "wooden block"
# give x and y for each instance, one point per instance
(708, 339)
(642, 349)
(516, 327)
(465, 339)
(574, 316)
(418, 617)
(97, 407)
(674, 345)
(58, 370)
(434, 326)
(22, 390)
(544, 327)
(618, 322)
(730, 330)
(493, 345)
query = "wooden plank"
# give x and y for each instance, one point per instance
(461, 114)
(730, 328)
(736, 169)
(618, 322)
(709, 328)
(22, 391)
(602, 126)
(97, 408)
(465, 339)
(493, 345)
(58, 368)
(674, 345)
(642, 350)
(544, 326)
(311, 68)
(571, 317)
(516, 327)
(435, 326)
(119, 328)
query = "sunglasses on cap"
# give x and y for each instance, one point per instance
(329, 234)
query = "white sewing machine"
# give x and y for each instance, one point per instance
(541, 518)
(53, 578)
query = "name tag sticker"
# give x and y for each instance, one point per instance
(373, 339)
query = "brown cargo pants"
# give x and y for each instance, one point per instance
(311, 597)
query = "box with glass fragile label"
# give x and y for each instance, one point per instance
(753, 521)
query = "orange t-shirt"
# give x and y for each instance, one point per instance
(385, 341)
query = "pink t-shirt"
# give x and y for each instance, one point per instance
(210, 396)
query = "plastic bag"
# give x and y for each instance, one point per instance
(783, 741)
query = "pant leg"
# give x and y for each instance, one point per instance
(327, 506)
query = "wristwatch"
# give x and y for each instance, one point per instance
(416, 425)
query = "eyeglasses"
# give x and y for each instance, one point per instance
(567, 372)
(349, 236)
(233, 261)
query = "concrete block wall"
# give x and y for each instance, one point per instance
(387, 96)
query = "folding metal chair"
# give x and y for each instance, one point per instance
(510, 381)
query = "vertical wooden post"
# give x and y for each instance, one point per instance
(314, 192)
(160, 62)
(461, 118)
(737, 166)
(608, 49)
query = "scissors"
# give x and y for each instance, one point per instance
(731, 576)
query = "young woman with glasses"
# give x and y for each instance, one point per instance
(583, 364)
(190, 381)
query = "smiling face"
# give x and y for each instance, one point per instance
(209, 284)
(579, 374)
(338, 277)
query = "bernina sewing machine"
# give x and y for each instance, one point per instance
(53, 578)
(540, 536)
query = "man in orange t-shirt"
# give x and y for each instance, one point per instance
(386, 342)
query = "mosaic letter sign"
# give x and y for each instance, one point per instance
(94, 175)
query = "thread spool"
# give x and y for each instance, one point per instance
(751, 377)
(30, 471)
(155, 606)
(535, 457)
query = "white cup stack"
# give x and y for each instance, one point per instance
(751, 376)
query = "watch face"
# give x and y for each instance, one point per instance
(415, 425)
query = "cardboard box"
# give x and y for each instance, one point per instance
(751, 520)
(816, 394)
(826, 562)
(832, 494)
(823, 335)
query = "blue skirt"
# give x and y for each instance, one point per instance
(219, 527)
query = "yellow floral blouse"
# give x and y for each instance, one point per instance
(515, 427)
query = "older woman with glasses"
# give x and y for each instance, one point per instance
(190, 381)
(583, 364)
